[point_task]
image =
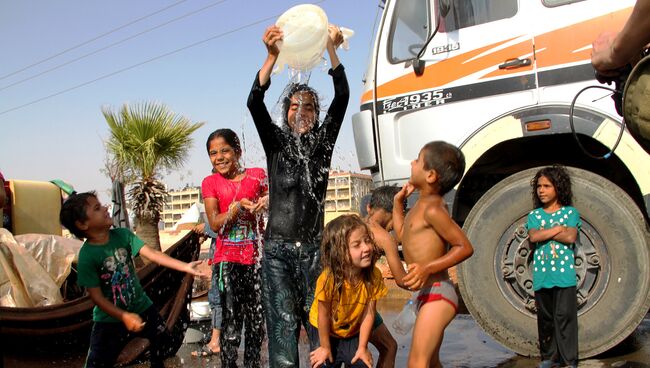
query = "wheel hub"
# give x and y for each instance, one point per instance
(514, 259)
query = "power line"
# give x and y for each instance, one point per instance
(112, 45)
(141, 63)
(91, 40)
(147, 61)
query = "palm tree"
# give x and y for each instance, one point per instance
(145, 139)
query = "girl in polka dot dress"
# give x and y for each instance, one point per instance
(552, 230)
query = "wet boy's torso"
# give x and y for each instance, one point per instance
(421, 244)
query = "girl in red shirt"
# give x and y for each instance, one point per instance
(234, 198)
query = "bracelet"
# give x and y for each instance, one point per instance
(233, 204)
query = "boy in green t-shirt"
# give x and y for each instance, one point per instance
(106, 269)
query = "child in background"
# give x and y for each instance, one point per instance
(233, 195)
(106, 269)
(214, 301)
(552, 230)
(343, 311)
(379, 219)
(213, 346)
(427, 232)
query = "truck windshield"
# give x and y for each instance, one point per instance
(409, 30)
(412, 22)
(470, 13)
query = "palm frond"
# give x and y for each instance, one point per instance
(145, 139)
(149, 138)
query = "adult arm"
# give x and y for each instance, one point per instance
(450, 232)
(334, 40)
(131, 321)
(612, 51)
(267, 130)
(271, 36)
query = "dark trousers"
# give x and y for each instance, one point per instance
(108, 339)
(343, 349)
(289, 274)
(241, 304)
(557, 324)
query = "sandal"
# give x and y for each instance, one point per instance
(205, 351)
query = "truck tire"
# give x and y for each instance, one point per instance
(612, 264)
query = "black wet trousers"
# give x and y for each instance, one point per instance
(289, 274)
(107, 340)
(557, 324)
(343, 349)
(241, 303)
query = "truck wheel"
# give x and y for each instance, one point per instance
(612, 264)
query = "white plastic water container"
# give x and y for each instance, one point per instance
(405, 320)
(305, 37)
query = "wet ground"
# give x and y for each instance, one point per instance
(465, 345)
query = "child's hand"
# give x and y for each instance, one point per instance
(319, 356)
(195, 269)
(132, 322)
(263, 202)
(199, 228)
(415, 277)
(363, 354)
(254, 207)
(335, 35)
(404, 193)
(272, 35)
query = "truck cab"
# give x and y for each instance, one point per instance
(499, 79)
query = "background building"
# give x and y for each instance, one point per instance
(177, 203)
(344, 192)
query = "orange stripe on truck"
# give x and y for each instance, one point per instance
(438, 74)
(560, 46)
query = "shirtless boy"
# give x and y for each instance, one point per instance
(432, 243)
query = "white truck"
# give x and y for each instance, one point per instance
(497, 79)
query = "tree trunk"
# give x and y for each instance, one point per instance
(147, 230)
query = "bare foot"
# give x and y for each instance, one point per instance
(216, 348)
(206, 351)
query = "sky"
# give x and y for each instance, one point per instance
(62, 61)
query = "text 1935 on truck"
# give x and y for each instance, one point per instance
(497, 78)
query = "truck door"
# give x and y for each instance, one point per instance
(563, 32)
(478, 66)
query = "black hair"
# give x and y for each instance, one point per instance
(294, 88)
(73, 210)
(559, 177)
(382, 197)
(229, 136)
(447, 160)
